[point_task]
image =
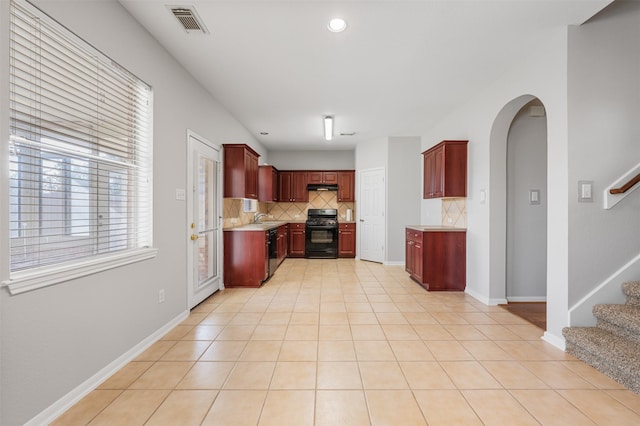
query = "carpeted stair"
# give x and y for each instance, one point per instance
(613, 345)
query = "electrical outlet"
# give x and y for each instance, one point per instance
(161, 296)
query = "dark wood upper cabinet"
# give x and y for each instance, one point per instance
(445, 170)
(267, 184)
(240, 171)
(323, 177)
(292, 186)
(347, 186)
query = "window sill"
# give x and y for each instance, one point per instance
(21, 282)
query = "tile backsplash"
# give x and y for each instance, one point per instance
(233, 214)
(454, 212)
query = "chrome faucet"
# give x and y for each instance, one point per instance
(258, 216)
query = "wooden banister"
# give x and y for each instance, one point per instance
(627, 186)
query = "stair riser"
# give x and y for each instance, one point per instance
(633, 300)
(632, 291)
(618, 331)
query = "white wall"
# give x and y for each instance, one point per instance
(541, 72)
(55, 338)
(526, 222)
(604, 142)
(312, 160)
(404, 191)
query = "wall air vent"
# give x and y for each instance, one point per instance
(189, 20)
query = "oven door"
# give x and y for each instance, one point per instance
(321, 241)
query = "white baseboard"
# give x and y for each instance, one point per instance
(556, 341)
(487, 301)
(394, 263)
(527, 299)
(63, 404)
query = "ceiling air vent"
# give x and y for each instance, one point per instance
(189, 20)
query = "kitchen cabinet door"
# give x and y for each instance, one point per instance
(297, 239)
(346, 186)
(347, 240)
(267, 184)
(299, 191)
(283, 242)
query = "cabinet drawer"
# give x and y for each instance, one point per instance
(415, 236)
(296, 226)
(351, 226)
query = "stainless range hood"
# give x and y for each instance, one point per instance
(322, 187)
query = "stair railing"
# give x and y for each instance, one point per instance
(627, 186)
(622, 187)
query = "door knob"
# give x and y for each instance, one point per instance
(194, 237)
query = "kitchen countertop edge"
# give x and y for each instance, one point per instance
(435, 228)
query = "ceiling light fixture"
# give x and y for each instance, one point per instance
(328, 127)
(337, 25)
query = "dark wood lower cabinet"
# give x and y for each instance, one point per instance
(246, 258)
(436, 259)
(283, 242)
(297, 241)
(347, 240)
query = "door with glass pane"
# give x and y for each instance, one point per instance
(203, 211)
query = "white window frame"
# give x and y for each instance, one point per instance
(139, 220)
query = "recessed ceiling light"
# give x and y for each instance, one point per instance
(337, 25)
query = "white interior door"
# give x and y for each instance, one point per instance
(204, 216)
(371, 208)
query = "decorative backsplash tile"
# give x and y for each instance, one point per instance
(317, 200)
(454, 212)
(233, 214)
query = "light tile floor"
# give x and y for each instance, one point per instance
(345, 342)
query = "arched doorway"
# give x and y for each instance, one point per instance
(512, 227)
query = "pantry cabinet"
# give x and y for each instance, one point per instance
(347, 239)
(240, 171)
(436, 257)
(445, 170)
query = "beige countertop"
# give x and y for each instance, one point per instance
(262, 226)
(435, 228)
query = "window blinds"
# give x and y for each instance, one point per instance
(80, 147)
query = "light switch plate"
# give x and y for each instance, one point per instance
(180, 194)
(585, 191)
(534, 196)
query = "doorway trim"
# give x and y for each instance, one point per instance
(192, 298)
(498, 199)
